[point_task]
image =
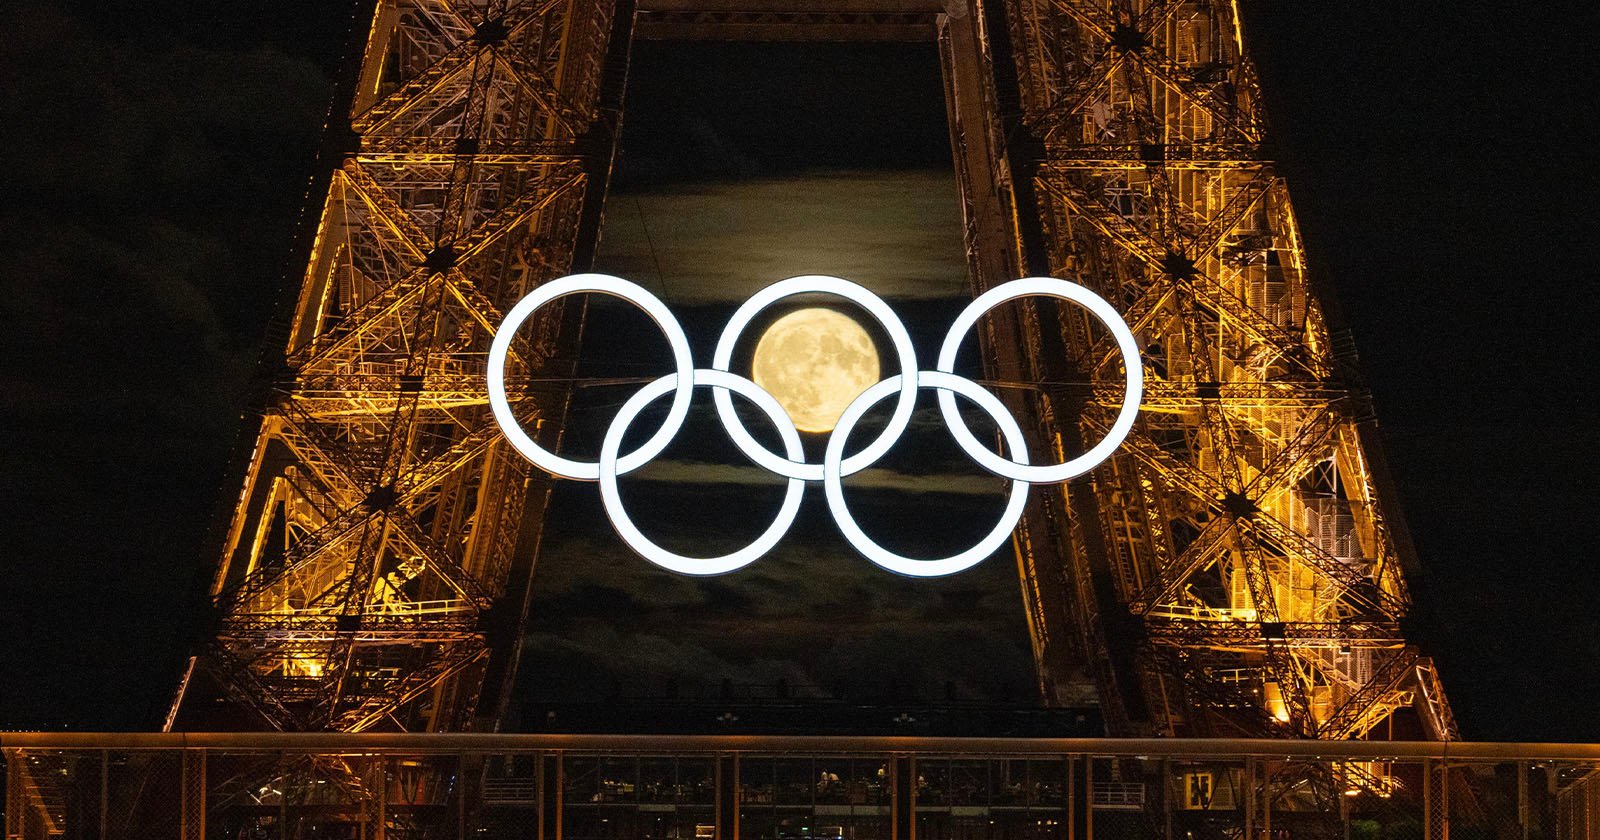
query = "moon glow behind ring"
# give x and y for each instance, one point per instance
(815, 362)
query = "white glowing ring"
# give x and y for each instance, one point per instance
(612, 498)
(1097, 306)
(834, 466)
(833, 486)
(857, 294)
(616, 287)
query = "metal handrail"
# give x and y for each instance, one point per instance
(411, 743)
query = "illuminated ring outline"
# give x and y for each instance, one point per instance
(724, 382)
(1097, 306)
(616, 287)
(833, 486)
(878, 309)
(835, 466)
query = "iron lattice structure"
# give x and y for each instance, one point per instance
(377, 562)
(1240, 558)
(1237, 568)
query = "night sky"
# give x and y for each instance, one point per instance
(718, 195)
(1438, 159)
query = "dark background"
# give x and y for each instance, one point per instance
(1439, 155)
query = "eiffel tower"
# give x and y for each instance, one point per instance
(1237, 569)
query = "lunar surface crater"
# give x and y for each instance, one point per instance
(815, 361)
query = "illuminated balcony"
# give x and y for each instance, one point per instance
(587, 787)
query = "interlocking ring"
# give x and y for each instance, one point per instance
(856, 294)
(723, 382)
(832, 476)
(1097, 306)
(792, 464)
(574, 284)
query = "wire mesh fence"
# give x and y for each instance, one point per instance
(373, 787)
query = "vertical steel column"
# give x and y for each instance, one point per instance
(902, 798)
(1266, 803)
(192, 795)
(1344, 813)
(461, 796)
(473, 157)
(381, 777)
(726, 782)
(550, 783)
(1071, 797)
(1427, 800)
(996, 254)
(105, 793)
(472, 766)
(1591, 807)
(283, 799)
(1250, 798)
(1088, 797)
(14, 802)
(1166, 797)
(1522, 799)
(1444, 798)
(1131, 137)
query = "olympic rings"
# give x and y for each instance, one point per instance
(947, 383)
(723, 382)
(866, 300)
(792, 465)
(633, 293)
(1097, 306)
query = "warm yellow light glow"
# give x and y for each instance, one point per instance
(302, 666)
(1274, 701)
(815, 361)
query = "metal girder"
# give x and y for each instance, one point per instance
(788, 20)
(1231, 569)
(380, 511)
(1238, 543)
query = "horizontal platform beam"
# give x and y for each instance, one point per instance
(787, 20)
(1211, 748)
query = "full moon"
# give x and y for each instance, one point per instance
(815, 361)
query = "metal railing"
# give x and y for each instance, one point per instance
(599, 787)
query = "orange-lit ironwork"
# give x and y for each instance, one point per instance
(1236, 569)
(1240, 558)
(377, 561)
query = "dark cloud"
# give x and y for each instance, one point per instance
(897, 233)
(689, 472)
(812, 613)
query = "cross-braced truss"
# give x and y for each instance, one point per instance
(1236, 560)
(1236, 557)
(372, 547)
